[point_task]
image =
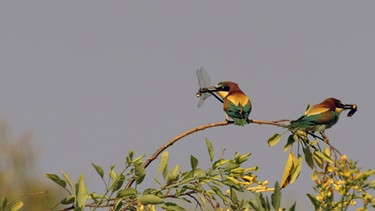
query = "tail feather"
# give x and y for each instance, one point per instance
(241, 122)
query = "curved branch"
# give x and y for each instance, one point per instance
(173, 140)
(196, 129)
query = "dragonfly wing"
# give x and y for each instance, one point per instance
(203, 82)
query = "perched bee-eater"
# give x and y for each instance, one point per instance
(236, 104)
(321, 116)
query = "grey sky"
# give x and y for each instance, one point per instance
(95, 79)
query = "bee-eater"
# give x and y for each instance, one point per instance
(236, 104)
(321, 116)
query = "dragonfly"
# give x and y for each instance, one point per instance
(204, 82)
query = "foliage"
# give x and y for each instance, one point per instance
(344, 181)
(214, 188)
(334, 178)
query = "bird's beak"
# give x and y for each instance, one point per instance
(351, 107)
(347, 106)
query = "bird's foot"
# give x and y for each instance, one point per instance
(332, 148)
(229, 121)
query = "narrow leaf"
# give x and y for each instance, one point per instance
(163, 162)
(211, 152)
(193, 162)
(297, 169)
(140, 172)
(67, 179)
(150, 199)
(68, 200)
(81, 194)
(98, 169)
(287, 171)
(127, 193)
(172, 207)
(323, 156)
(289, 142)
(112, 174)
(273, 140)
(233, 195)
(56, 179)
(118, 206)
(318, 160)
(173, 175)
(118, 182)
(308, 157)
(276, 197)
(293, 207)
(219, 193)
(314, 201)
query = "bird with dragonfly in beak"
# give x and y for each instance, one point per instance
(236, 104)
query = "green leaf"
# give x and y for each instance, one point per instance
(163, 162)
(170, 206)
(230, 167)
(68, 200)
(219, 193)
(259, 201)
(276, 197)
(139, 159)
(192, 175)
(308, 157)
(112, 174)
(67, 179)
(193, 162)
(131, 154)
(4, 202)
(323, 156)
(81, 194)
(118, 205)
(293, 207)
(98, 169)
(233, 195)
(16, 206)
(56, 179)
(273, 140)
(127, 193)
(211, 152)
(140, 173)
(219, 163)
(173, 175)
(150, 199)
(314, 201)
(289, 142)
(118, 182)
(318, 160)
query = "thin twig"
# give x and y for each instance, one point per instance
(277, 123)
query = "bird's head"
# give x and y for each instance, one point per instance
(226, 87)
(338, 106)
